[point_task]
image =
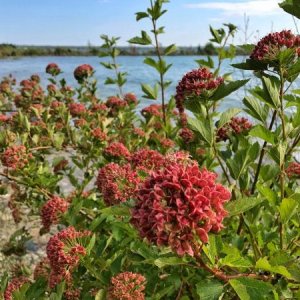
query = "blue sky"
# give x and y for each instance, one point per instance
(77, 22)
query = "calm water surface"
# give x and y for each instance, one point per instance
(22, 68)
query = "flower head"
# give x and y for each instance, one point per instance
(98, 134)
(152, 110)
(15, 157)
(77, 109)
(14, 285)
(117, 183)
(131, 98)
(64, 251)
(187, 135)
(271, 45)
(51, 210)
(195, 83)
(82, 72)
(293, 170)
(117, 150)
(178, 203)
(127, 286)
(53, 69)
(147, 160)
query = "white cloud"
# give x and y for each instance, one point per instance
(251, 8)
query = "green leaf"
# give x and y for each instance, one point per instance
(268, 193)
(287, 209)
(145, 39)
(91, 244)
(250, 65)
(101, 295)
(110, 80)
(116, 211)
(271, 91)
(235, 261)
(208, 63)
(167, 261)
(263, 133)
(150, 93)
(170, 49)
(251, 289)
(264, 264)
(227, 115)
(293, 71)
(204, 128)
(242, 205)
(292, 7)
(209, 290)
(255, 108)
(226, 89)
(141, 15)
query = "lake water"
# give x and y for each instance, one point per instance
(24, 67)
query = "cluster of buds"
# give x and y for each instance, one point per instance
(127, 285)
(98, 134)
(42, 269)
(138, 132)
(64, 251)
(152, 110)
(235, 126)
(131, 99)
(98, 107)
(115, 104)
(196, 83)
(83, 72)
(187, 135)
(147, 160)
(293, 170)
(14, 285)
(117, 183)
(187, 203)
(77, 109)
(269, 47)
(15, 157)
(51, 211)
(53, 69)
(116, 150)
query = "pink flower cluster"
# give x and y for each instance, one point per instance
(117, 150)
(138, 131)
(131, 98)
(53, 69)
(195, 83)
(127, 286)
(51, 210)
(15, 157)
(117, 183)
(147, 160)
(64, 251)
(14, 285)
(82, 72)
(236, 126)
(152, 110)
(98, 134)
(77, 109)
(177, 203)
(293, 170)
(270, 46)
(187, 135)
(42, 269)
(115, 103)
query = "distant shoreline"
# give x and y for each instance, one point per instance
(10, 51)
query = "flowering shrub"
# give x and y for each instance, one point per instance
(142, 191)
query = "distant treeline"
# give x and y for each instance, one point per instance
(10, 50)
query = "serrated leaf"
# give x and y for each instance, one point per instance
(226, 89)
(263, 133)
(264, 264)
(251, 65)
(150, 93)
(209, 290)
(170, 49)
(227, 115)
(167, 261)
(208, 63)
(292, 7)
(145, 39)
(242, 205)
(235, 261)
(250, 289)
(255, 108)
(287, 209)
(271, 91)
(204, 128)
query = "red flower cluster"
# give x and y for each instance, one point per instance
(77, 109)
(82, 72)
(236, 126)
(187, 135)
(152, 110)
(72, 294)
(139, 132)
(270, 46)
(293, 170)
(178, 202)
(53, 69)
(64, 251)
(4, 118)
(42, 269)
(117, 150)
(147, 160)
(15, 157)
(98, 134)
(14, 285)
(115, 103)
(117, 183)
(51, 210)
(195, 83)
(98, 107)
(131, 98)
(127, 286)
